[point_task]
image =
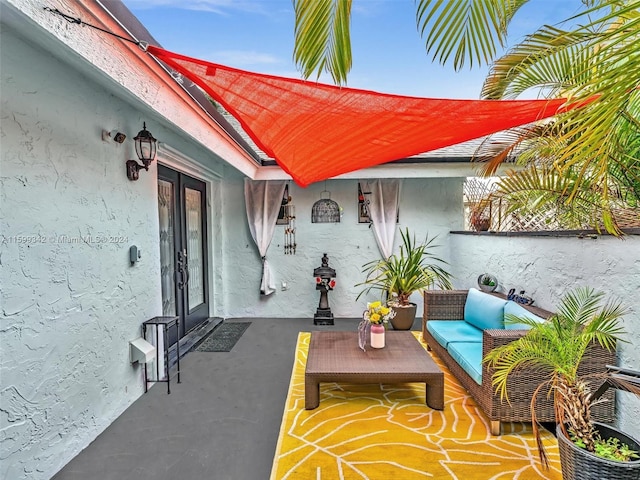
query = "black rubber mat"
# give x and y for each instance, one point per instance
(223, 338)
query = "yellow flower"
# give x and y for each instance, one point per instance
(375, 318)
(374, 305)
(385, 311)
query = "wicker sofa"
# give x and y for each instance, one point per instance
(449, 306)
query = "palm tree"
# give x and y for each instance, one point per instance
(558, 346)
(590, 152)
(584, 165)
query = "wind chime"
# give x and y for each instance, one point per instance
(290, 231)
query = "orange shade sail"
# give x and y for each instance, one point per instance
(317, 131)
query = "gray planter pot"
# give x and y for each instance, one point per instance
(405, 316)
(487, 288)
(579, 464)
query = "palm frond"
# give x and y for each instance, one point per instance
(551, 60)
(595, 64)
(466, 31)
(558, 345)
(322, 38)
(543, 188)
(520, 144)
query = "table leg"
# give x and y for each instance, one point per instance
(311, 393)
(435, 393)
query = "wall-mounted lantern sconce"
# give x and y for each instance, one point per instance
(146, 151)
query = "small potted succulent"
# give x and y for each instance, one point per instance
(487, 282)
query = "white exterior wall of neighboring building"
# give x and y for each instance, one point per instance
(548, 267)
(430, 206)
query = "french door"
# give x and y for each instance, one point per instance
(183, 248)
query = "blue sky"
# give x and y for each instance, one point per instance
(388, 53)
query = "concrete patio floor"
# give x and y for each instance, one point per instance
(220, 423)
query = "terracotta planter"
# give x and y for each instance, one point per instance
(405, 316)
(579, 464)
(480, 224)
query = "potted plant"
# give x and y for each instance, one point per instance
(414, 268)
(480, 222)
(487, 282)
(558, 346)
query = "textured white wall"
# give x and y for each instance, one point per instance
(121, 66)
(548, 267)
(432, 206)
(71, 302)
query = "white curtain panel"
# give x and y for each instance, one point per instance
(263, 199)
(383, 210)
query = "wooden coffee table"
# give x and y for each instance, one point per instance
(336, 357)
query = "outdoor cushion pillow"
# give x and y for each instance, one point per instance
(483, 310)
(512, 308)
(445, 331)
(469, 357)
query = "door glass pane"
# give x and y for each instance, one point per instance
(193, 207)
(167, 242)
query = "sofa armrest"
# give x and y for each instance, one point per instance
(524, 382)
(492, 339)
(497, 337)
(443, 305)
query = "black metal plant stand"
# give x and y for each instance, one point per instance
(165, 323)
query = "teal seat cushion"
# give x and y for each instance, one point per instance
(469, 357)
(483, 310)
(445, 331)
(512, 308)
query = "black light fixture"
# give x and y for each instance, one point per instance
(146, 151)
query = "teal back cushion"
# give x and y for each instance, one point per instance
(484, 311)
(512, 308)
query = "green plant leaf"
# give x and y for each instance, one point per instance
(414, 268)
(322, 38)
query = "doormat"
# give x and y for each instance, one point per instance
(223, 338)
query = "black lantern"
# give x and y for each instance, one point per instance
(146, 151)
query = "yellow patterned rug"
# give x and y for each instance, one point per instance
(387, 432)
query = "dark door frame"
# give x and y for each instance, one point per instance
(189, 317)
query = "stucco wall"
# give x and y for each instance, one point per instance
(548, 267)
(70, 300)
(432, 206)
